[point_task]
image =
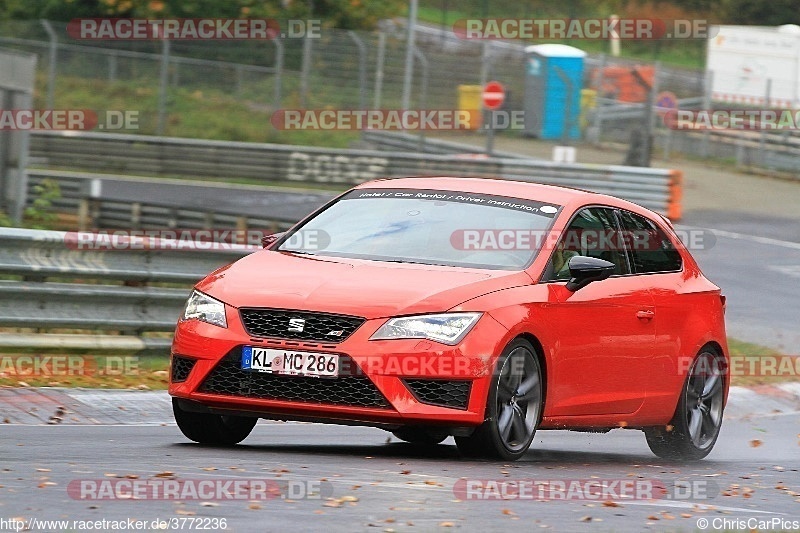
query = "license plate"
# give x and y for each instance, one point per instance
(290, 362)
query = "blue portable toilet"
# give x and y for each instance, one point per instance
(553, 83)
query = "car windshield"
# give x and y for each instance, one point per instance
(428, 227)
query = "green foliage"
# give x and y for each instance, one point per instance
(345, 14)
(773, 13)
(40, 214)
(5, 220)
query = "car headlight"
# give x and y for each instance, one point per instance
(447, 328)
(206, 309)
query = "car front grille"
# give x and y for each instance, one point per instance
(228, 378)
(181, 367)
(298, 325)
(441, 392)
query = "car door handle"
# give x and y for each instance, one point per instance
(645, 314)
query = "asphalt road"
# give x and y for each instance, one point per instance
(756, 261)
(371, 484)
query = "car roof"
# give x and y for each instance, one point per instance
(565, 196)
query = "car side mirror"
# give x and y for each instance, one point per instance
(272, 238)
(583, 270)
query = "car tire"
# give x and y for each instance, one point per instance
(693, 430)
(420, 436)
(513, 406)
(207, 428)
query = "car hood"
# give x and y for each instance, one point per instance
(372, 289)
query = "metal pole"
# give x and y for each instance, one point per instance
(362, 69)
(52, 59)
(379, 69)
(409, 68)
(305, 69)
(762, 138)
(423, 97)
(278, 72)
(597, 127)
(163, 85)
(707, 105)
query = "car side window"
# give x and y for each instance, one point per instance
(650, 249)
(591, 233)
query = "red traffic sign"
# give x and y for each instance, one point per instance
(494, 94)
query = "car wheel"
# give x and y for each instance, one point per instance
(513, 408)
(693, 431)
(421, 436)
(207, 428)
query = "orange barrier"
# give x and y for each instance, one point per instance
(674, 211)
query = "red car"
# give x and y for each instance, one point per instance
(479, 308)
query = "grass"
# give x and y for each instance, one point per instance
(87, 371)
(208, 113)
(150, 372)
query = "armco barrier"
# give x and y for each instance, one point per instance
(657, 189)
(44, 297)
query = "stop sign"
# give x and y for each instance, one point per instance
(493, 95)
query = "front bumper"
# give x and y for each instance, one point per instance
(389, 383)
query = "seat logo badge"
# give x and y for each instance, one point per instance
(296, 324)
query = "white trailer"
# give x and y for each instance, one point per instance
(748, 63)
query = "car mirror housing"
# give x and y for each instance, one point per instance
(584, 270)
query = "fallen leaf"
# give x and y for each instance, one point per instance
(586, 518)
(185, 512)
(755, 443)
(254, 507)
(446, 524)
(610, 503)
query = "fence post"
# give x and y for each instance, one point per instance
(52, 59)
(379, 69)
(278, 72)
(597, 123)
(162, 89)
(762, 137)
(305, 69)
(112, 66)
(409, 65)
(707, 103)
(362, 69)
(423, 97)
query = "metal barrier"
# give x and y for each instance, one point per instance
(44, 298)
(106, 201)
(657, 189)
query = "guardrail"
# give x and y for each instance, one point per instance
(44, 297)
(657, 189)
(106, 201)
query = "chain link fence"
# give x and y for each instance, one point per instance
(229, 89)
